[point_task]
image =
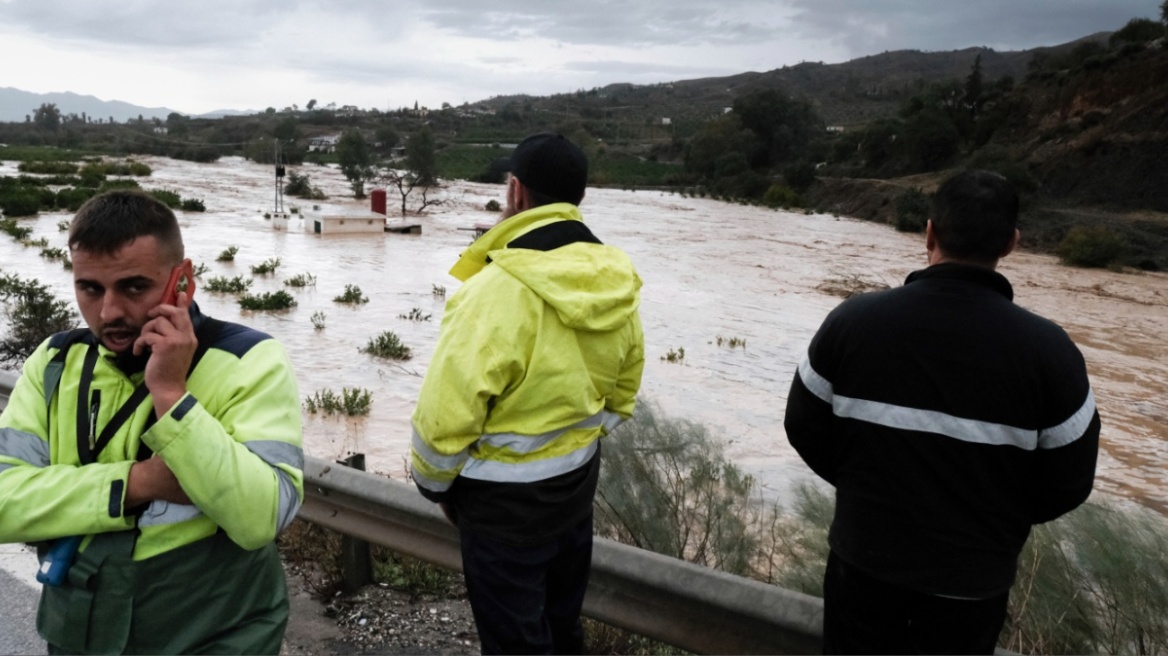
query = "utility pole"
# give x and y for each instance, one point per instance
(279, 210)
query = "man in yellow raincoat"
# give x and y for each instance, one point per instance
(540, 356)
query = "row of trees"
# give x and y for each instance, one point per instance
(766, 133)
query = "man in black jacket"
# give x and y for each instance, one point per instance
(950, 421)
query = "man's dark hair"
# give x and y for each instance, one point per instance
(108, 222)
(974, 216)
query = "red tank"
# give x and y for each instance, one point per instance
(377, 197)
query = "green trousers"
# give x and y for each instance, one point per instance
(208, 597)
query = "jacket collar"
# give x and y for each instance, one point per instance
(476, 257)
(977, 275)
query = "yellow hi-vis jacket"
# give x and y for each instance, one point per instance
(540, 355)
(233, 442)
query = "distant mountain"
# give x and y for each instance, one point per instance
(16, 104)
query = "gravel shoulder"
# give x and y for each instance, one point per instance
(375, 620)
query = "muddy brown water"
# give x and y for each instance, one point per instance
(711, 270)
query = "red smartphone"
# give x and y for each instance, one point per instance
(179, 281)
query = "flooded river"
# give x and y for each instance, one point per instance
(711, 270)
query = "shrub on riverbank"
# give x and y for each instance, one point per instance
(33, 313)
(912, 211)
(1090, 246)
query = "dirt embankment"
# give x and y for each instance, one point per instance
(1044, 222)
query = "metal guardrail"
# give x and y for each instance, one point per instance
(7, 382)
(692, 607)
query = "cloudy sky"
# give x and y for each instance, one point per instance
(201, 56)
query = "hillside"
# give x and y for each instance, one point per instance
(848, 94)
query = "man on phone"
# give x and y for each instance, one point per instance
(540, 356)
(153, 457)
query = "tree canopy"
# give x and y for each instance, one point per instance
(356, 161)
(47, 117)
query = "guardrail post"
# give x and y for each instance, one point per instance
(356, 561)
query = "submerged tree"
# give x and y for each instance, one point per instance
(421, 172)
(356, 161)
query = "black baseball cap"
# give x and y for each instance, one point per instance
(549, 164)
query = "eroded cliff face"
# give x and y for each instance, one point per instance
(1099, 136)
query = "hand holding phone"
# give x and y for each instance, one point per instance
(179, 281)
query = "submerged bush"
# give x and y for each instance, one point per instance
(352, 296)
(51, 168)
(71, 199)
(279, 300)
(912, 211)
(353, 402)
(228, 254)
(20, 201)
(267, 266)
(170, 198)
(301, 280)
(222, 284)
(781, 196)
(14, 229)
(1090, 246)
(387, 345)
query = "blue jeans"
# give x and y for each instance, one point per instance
(527, 599)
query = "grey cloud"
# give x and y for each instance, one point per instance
(641, 70)
(877, 25)
(605, 22)
(142, 22)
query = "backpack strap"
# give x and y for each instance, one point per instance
(56, 367)
(206, 334)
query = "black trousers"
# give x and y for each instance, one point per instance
(527, 599)
(863, 615)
